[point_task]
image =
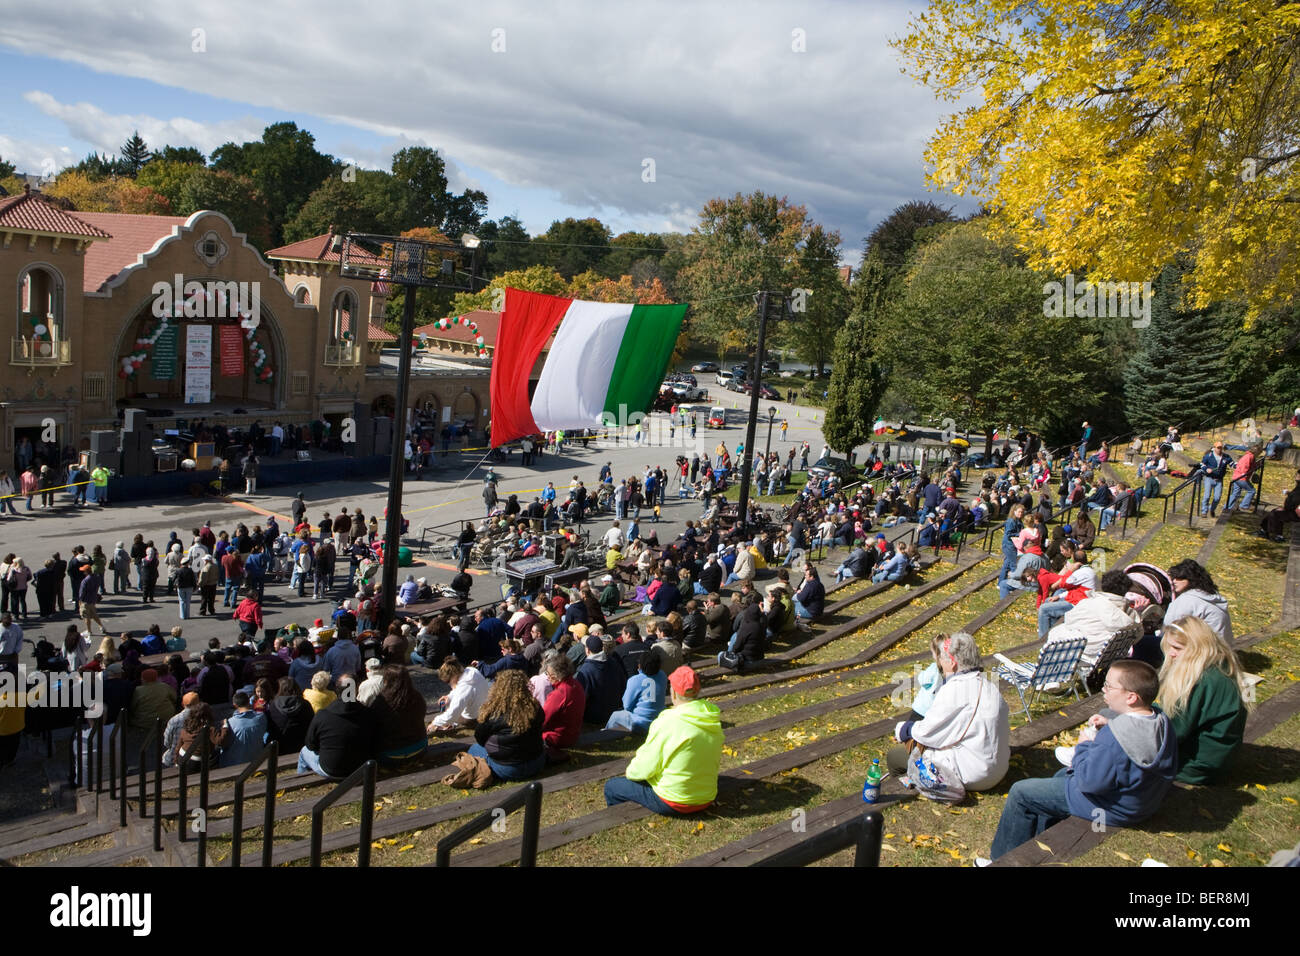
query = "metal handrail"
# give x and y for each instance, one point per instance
(182, 821)
(864, 832)
(529, 797)
(119, 773)
(366, 775)
(154, 737)
(271, 755)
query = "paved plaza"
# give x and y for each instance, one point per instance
(451, 491)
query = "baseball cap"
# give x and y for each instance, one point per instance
(594, 644)
(684, 680)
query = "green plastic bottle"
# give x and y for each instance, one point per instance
(871, 789)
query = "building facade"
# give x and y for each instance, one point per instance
(182, 317)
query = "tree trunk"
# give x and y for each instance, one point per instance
(988, 440)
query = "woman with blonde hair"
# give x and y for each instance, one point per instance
(1203, 692)
(109, 650)
(509, 732)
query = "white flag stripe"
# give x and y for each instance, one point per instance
(575, 379)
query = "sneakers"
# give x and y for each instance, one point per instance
(1065, 755)
(982, 861)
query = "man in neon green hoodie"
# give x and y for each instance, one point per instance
(675, 771)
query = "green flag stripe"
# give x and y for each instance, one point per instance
(643, 357)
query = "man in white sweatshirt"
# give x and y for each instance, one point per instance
(1100, 617)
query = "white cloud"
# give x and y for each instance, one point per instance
(88, 123)
(583, 92)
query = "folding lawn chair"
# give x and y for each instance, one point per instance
(1057, 664)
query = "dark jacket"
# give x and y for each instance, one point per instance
(860, 562)
(629, 655)
(813, 597)
(695, 630)
(287, 721)
(666, 599)
(711, 577)
(718, 621)
(397, 731)
(603, 683)
(507, 747)
(750, 634)
(509, 662)
(343, 735)
(1085, 534)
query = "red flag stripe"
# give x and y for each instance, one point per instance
(527, 323)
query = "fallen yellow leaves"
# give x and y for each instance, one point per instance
(1043, 846)
(1225, 848)
(409, 846)
(1124, 856)
(1289, 799)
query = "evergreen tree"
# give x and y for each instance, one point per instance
(858, 381)
(1177, 376)
(134, 155)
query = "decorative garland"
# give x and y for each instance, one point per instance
(131, 363)
(469, 323)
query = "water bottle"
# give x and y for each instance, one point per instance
(871, 789)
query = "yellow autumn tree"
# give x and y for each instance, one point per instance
(1108, 138)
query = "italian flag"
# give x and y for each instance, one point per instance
(608, 359)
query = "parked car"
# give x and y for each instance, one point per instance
(838, 467)
(764, 391)
(705, 367)
(740, 371)
(736, 385)
(772, 365)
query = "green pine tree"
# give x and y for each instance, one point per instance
(1178, 376)
(134, 155)
(858, 379)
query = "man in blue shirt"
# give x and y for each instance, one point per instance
(255, 570)
(242, 733)
(1214, 466)
(490, 631)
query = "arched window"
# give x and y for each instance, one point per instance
(302, 295)
(40, 304)
(344, 317)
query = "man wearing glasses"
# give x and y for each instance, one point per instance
(1118, 775)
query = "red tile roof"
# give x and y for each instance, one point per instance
(487, 327)
(846, 274)
(317, 249)
(377, 333)
(132, 236)
(30, 212)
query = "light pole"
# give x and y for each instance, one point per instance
(767, 452)
(412, 264)
(771, 305)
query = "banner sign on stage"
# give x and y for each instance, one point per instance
(232, 351)
(198, 364)
(164, 354)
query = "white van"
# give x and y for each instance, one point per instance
(724, 377)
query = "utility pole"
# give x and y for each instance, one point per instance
(778, 302)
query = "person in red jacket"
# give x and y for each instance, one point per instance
(565, 705)
(249, 615)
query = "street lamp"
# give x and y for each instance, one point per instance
(774, 306)
(413, 264)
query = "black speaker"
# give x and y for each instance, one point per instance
(383, 436)
(135, 419)
(103, 442)
(137, 459)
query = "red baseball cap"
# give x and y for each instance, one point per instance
(684, 680)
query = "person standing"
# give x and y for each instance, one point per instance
(250, 474)
(186, 581)
(88, 594)
(17, 578)
(1214, 467)
(207, 580)
(100, 478)
(7, 493)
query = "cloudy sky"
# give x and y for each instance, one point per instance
(553, 109)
